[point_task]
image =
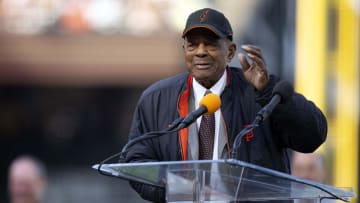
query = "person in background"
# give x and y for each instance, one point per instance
(27, 180)
(208, 48)
(310, 166)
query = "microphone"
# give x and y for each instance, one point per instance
(282, 92)
(208, 105)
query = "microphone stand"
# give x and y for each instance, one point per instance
(173, 127)
(239, 137)
(211, 101)
(260, 117)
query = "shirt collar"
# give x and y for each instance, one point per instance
(217, 88)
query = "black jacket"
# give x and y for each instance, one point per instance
(298, 124)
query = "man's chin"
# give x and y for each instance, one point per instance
(204, 81)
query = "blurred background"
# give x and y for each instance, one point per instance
(71, 72)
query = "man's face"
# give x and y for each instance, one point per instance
(207, 55)
(309, 166)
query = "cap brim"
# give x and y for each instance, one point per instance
(209, 27)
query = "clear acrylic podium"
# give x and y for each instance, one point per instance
(223, 181)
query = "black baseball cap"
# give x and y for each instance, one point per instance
(210, 19)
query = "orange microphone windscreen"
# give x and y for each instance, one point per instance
(211, 101)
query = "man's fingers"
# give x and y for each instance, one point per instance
(251, 49)
(243, 61)
(257, 60)
(250, 46)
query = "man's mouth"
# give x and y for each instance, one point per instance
(202, 65)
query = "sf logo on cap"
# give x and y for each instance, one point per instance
(204, 15)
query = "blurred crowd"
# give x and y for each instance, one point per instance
(269, 24)
(140, 17)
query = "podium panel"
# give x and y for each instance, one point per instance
(223, 181)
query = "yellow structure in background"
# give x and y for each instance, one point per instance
(313, 64)
(347, 91)
(310, 60)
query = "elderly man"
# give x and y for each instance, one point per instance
(208, 48)
(27, 180)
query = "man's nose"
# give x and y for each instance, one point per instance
(201, 50)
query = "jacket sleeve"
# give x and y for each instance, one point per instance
(143, 152)
(149, 192)
(297, 124)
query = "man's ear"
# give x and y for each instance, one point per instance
(232, 51)
(183, 45)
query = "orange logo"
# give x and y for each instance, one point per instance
(249, 135)
(204, 15)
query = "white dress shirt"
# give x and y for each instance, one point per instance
(199, 92)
